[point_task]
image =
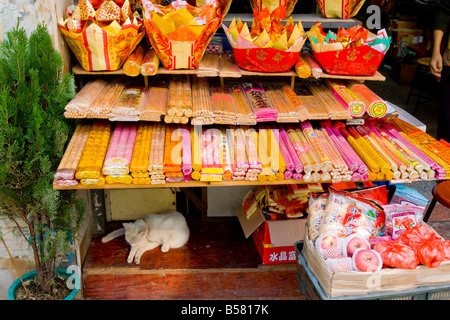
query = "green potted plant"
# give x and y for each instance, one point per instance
(33, 137)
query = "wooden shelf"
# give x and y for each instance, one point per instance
(78, 70)
(224, 183)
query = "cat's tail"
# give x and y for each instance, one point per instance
(114, 234)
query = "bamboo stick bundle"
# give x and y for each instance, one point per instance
(140, 160)
(130, 104)
(314, 108)
(296, 102)
(334, 108)
(155, 104)
(65, 173)
(259, 101)
(223, 105)
(284, 108)
(209, 65)
(150, 63)
(132, 65)
(244, 112)
(228, 66)
(102, 106)
(202, 110)
(80, 105)
(94, 151)
(179, 100)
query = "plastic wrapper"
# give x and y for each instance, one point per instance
(431, 253)
(132, 66)
(346, 214)
(259, 102)
(150, 63)
(317, 208)
(130, 105)
(344, 9)
(400, 218)
(416, 235)
(397, 255)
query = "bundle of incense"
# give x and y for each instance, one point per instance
(290, 166)
(264, 152)
(212, 168)
(80, 105)
(120, 152)
(240, 156)
(130, 104)
(226, 155)
(340, 171)
(150, 63)
(370, 150)
(299, 107)
(311, 136)
(202, 112)
(244, 112)
(179, 100)
(156, 157)
(277, 162)
(223, 105)
(298, 166)
(209, 65)
(313, 107)
(375, 106)
(228, 66)
(155, 104)
(100, 181)
(231, 150)
(383, 153)
(124, 179)
(301, 148)
(316, 70)
(186, 151)
(354, 105)
(172, 151)
(438, 151)
(285, 109)
(252, 155)
(371, 164)
(351, 158)
(132, 65)
(260, 103)
(423, 158)
(334, 108)
(106, 101)
(140, 160)
(69, 162)
(196, 135)
(94, 151)
(302, 67)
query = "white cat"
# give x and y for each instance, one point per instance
(168, 230)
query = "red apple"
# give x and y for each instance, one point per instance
(329, 246)
(354, 242)
(366, 260)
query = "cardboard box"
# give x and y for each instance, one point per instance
(403, 33)
(397, 24)
(274, 240)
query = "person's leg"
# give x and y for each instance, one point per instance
(443, 127)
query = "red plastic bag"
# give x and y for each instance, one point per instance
(397, 255)
(431, 253)
(416, 236)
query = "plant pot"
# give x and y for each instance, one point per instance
(32, 274)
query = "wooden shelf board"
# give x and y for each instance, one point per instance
(78, 70)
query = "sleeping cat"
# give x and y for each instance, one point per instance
(168, 230)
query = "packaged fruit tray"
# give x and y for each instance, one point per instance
(345, 283)
(310, 286)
